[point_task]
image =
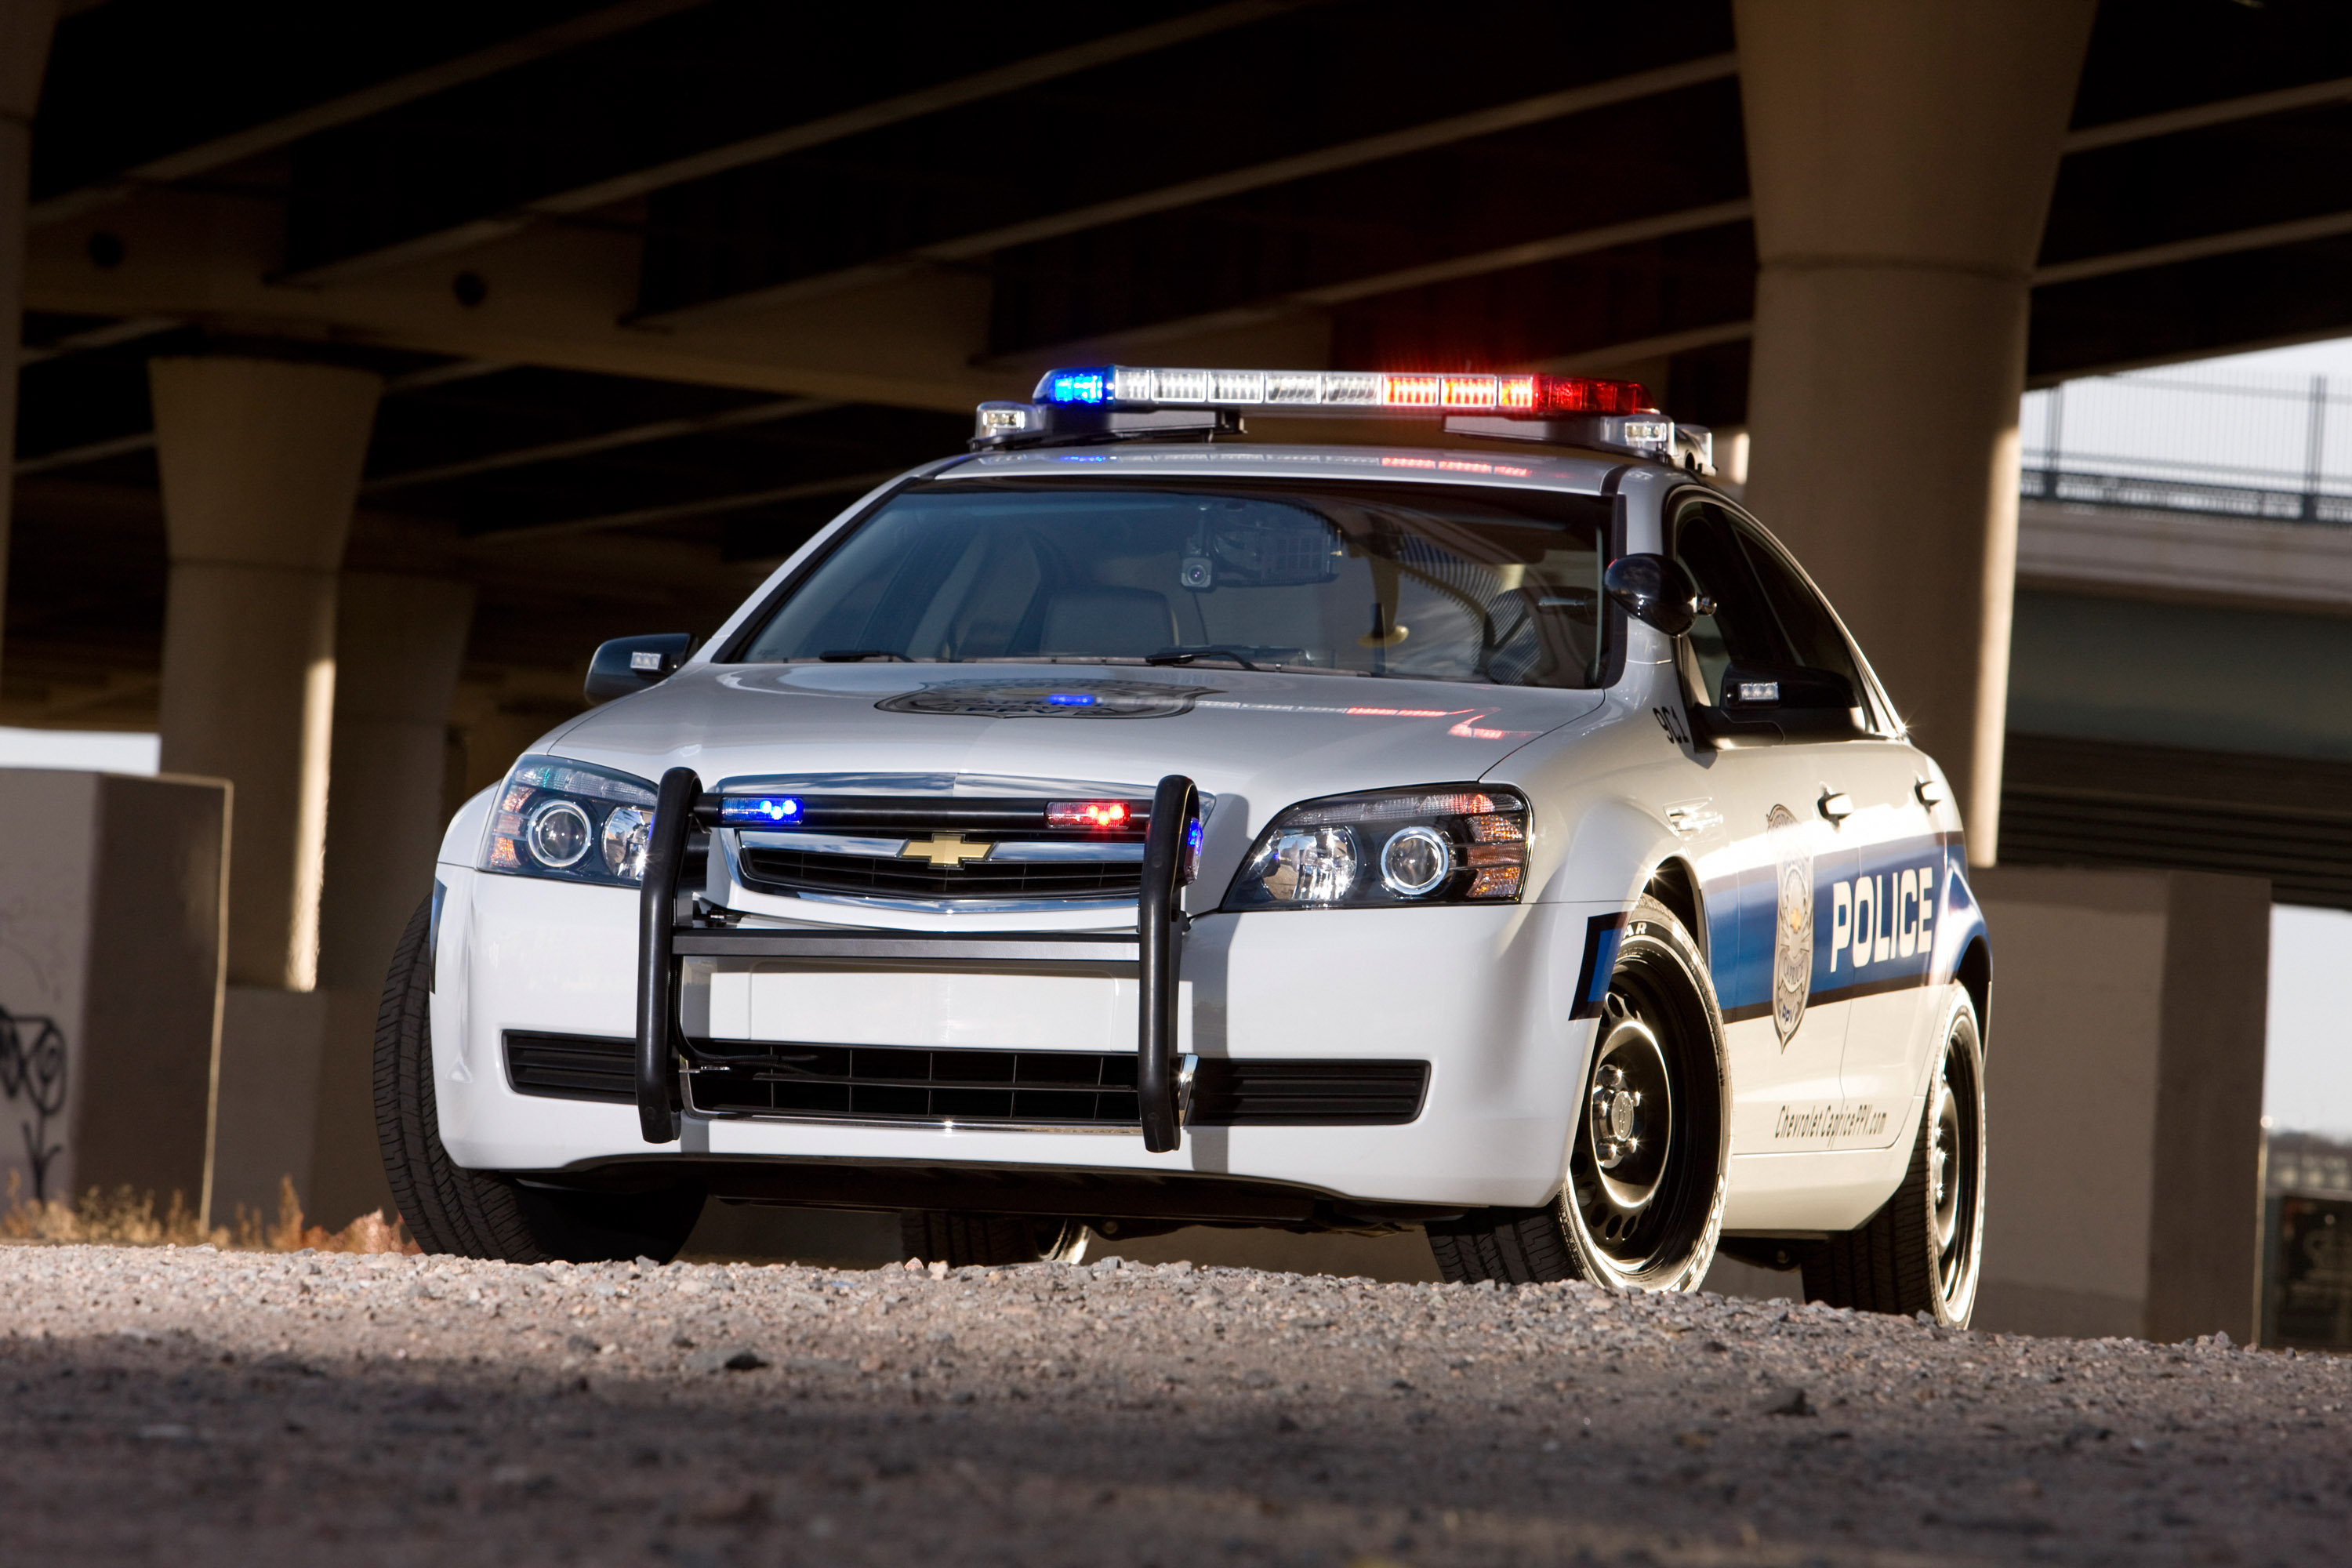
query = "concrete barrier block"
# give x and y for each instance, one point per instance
(2123, 1082)
(264, 1128)
(347, 1177)
(111, 895)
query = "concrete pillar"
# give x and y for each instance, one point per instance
(2124, 1080)
(24, 29)
(260, 465)
(1901, 158)
(398, 644)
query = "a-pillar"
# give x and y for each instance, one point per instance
(24, 29)
(260, 462)
(398, 644)
(1901, 158)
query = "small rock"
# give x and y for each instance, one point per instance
(1786, 1402)
(744, 1361)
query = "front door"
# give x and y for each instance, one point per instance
(1878, 869)
(1767, 859)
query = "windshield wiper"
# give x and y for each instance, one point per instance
(852, 656)
(1205, 650)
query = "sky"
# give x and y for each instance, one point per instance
(2307, 1077)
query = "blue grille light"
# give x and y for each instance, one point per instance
(1076, 386)
(1071, 698)
(766, 808)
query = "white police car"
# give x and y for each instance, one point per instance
(1123, 825)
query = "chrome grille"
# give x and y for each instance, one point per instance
(914, 847)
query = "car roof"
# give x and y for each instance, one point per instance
(1545, 471)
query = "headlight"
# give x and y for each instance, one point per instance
(571, 821)
(1446, 845)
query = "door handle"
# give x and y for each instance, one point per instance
(1837, 804)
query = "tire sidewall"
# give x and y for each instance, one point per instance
(1653, 934)
(1959, 1019)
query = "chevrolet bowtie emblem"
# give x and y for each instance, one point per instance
(947, 849)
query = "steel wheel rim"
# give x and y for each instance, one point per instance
(1953, 1178)
(1626, 1153)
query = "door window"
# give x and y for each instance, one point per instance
(1735, 626)
(1766, 619)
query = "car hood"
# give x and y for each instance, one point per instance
(1257, 741)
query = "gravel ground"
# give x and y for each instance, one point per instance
(190, 1406)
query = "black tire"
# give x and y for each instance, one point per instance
(1639, 1210)
(480, 1213)
(957, 1239)
(1922, 1252)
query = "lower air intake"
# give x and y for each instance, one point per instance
(1054, 1089)
(572, 1067)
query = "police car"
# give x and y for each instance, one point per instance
(1123, 826)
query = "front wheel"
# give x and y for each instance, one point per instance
(479, 1214)
(1921, 1252)
(1649, 1153)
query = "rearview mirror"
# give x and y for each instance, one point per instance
(1654, 591)
(630, 664)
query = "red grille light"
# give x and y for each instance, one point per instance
(1102, 814)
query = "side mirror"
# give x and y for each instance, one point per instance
(631, 664)
(1653, 589)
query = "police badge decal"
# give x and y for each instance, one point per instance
(1793, 932)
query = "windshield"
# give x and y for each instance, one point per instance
(1414, 580)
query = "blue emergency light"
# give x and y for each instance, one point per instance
(758, 810)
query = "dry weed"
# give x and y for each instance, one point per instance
(127, 1218)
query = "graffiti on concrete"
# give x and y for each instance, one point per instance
(33, 1074)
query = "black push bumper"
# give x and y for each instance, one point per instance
(670, 929)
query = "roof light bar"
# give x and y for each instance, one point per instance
(1085, 404)
(1139, 388)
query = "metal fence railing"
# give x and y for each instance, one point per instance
(2229, 446)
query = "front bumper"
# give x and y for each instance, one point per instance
(1482, 993)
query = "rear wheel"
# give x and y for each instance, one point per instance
(1920, 1253)
(1648, 1157)
(479, 1213)
(958, 1239)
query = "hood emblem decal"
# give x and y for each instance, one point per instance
(1050, 699)
(946, 849)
